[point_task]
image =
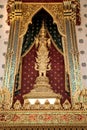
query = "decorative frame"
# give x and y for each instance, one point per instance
(74, 114)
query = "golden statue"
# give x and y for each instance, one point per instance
(42, 61)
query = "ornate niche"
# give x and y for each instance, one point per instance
(43, 62)
(43, 59)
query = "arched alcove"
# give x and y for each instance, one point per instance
(25, 79)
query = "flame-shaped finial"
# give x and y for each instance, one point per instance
(43, 30)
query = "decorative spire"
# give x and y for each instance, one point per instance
(43, 30)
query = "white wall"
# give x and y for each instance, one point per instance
(4, 32)
(82, 41)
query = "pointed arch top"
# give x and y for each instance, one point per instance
(34, 28)
(55, 10)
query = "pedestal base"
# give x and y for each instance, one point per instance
(42, 89)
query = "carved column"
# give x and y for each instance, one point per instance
(14, 45)
(75, 54)
(72, 50)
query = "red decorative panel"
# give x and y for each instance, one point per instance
(29, 74)
(56, 75)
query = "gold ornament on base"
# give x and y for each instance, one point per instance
(66, 105)
(17, 105)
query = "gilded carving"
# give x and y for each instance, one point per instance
(66, 105)
(84, 105)
(29, 10)
(5, 99)
(57, 13)
(26, 104)
(77, 106)
(76, 96)
(37, 104)
(17, 105)
(57, 104)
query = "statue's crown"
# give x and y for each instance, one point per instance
(43, 30)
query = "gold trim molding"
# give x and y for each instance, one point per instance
(42, 118)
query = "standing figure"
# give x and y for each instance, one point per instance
(42, 60)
